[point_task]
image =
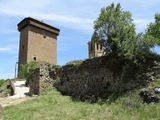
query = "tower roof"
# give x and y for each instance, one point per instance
(40, 24)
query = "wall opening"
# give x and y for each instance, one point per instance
(23, 46)
(101, 47)
(97, 46)
(44, 36)
(34, 58)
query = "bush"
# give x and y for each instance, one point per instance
(75, 62)
(1, 82)
(26, 70)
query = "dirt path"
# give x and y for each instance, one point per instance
(9, 101)
(20, 96)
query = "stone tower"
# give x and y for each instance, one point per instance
(95, 49)
(38, 41)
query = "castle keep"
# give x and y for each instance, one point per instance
(38, 41)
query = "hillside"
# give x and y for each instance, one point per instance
(51, 105)
(4, 88)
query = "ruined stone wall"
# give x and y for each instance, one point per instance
(90, 78)
(12, 87)
(34, 82)
(41, 79)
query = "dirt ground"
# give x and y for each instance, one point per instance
(20, 96)
(13, 101)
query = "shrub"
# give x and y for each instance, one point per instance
(75, 62)
(1, 82)
(26, 70)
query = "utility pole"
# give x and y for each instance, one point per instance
(15, 69)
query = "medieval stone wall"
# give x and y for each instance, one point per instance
(13, 91)
(90, 78)
(42, 78)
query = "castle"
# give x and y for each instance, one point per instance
(38, 41)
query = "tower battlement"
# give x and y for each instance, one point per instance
(36, 23)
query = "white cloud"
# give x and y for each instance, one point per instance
(62, 20)
(5, 49)
(71, 18)
(12, 48)
(77, 15)
(141, 24)
(7, 31)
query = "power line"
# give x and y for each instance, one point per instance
(9, 69)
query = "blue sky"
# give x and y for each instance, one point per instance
(74, 18)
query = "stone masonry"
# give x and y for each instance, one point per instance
(43, 77)
(95, 49)
(38, 41)
(90, 78)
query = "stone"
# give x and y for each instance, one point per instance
(157, 90)
(85, 81)
(150, 96)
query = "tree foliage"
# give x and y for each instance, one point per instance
(1, 81)
(127, 53)
(26, 70)
(115, 29)
(152, 35)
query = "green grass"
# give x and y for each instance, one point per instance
(51, 105)
(4, 88)
(1, 82)
(1, 112)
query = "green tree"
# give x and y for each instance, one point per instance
(127, 53)
(152, 35)
(115, 30)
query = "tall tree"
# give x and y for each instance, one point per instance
(152, 35)
(127, 53)
(115, 29)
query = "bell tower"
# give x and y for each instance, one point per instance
(95, 49)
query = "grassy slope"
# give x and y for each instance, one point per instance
(4, 88)
(51, 105)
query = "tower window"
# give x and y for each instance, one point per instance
(23, 47)
(101, 47)
(97, 46)
(34, 58)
